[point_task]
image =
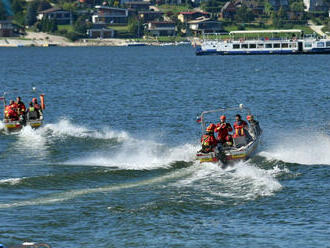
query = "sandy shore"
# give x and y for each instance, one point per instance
(46, 40)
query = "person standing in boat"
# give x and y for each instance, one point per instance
(223, 128)
(254, 129)
(209, 142)
(36, 104)
(37, 108)
(21, 109)
(32, 113)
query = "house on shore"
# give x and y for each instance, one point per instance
(277, 4)
(204, 26)
(149, 16)
(256, 6)
(6, 28)
(185, 17)
(138, 5)
(228, 11)
(100, 31)
(61, 17)
(110, 15)
(161, 28)
(315, 5)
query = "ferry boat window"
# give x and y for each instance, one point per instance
(260, 45)
(253, 45)
(320, 44)
(277, 45)
(269, 45)
(245, 46)
(285, 45)
(236, 46)
(308, 44)
(328, 43)
(293, 45)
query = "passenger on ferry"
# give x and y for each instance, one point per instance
(21, 109)
(208, 140)
(223, 128)
(254, 129)
(240, 126)
(32, 113)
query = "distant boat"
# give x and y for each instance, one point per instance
(264, 45)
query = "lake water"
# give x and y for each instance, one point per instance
(113, 166)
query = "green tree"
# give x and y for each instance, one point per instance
(244, 14)
(3, 13)
(297, 6)
(268, 9)
(282, 13)
(17, 6)
(81, 25)
(31, 14)
(134, 26)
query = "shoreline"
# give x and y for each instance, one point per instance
(18, 42)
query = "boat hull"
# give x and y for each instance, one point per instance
(214, 52)
(15, 126)
(230, 155)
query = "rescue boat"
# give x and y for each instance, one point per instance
(242, 147)
(17, 125)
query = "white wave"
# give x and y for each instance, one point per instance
(32, 142)
(11, 181)
(2, 125)
(65, 128)
(68, 195)
(241, 181)
(302, 148)
(140, 155)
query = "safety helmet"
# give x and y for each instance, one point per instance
(210, 128)
(223, 117)
(249, 117)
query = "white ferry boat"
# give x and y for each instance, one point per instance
(262, 44)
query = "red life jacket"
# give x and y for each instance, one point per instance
(208, 142)
(239, 128)
(11, 113)
(223, 130)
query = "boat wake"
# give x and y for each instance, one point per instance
(64, 128)
(243, 181)
(139, 155)
(207, 182)
(308, 149)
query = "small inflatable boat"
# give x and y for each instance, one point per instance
(11, 125)
(242, 147)
(15, 126)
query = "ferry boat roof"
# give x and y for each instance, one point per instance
(267, 31)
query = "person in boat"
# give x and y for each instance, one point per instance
(32, 113)
(223, 128)
(21, 109)
(36, 104)
(254, 129)
(209, 142)
(10, 111)
(240, 126)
